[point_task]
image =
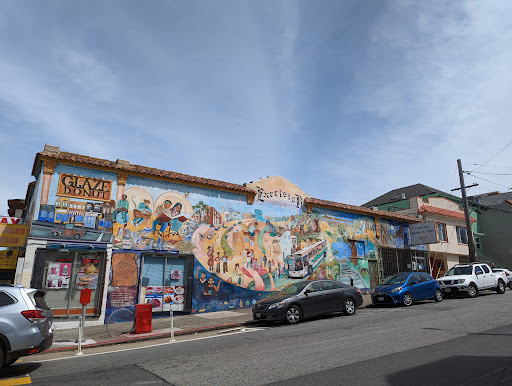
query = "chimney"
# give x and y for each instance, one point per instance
(403, 196)
(51, 149)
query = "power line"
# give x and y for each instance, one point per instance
(494, 174)
(492, 157)
(495, 183)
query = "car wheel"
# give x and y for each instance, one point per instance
(76, 236)
(472, 291)
(349, 307)
(2, 356)
(293, 315)
(408, 300)
(510, 285)
(55, 233)
(438, 297)
(501, 287)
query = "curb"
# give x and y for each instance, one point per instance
(152, 337)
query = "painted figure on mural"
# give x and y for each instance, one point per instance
(264, 260)
(164, 215)
(122, 209)
(248, 259)
(202, 279)
(224, 262)
(144, 209)
(237, 275)
(210, 288)
(177, 220)
(210, 258)
(217, 260)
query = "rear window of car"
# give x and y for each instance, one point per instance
(5, 299)
(38, 300)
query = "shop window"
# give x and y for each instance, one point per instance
(441, 232)
(163, 282)
(66, 274)
(462, 235)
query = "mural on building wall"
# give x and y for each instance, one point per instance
(242, 251)
(81, 210)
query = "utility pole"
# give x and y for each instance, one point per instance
(469, 232)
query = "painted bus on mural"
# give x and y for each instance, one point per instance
(302, 263)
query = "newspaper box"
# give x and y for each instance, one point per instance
(143, 318)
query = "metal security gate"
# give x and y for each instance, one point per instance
(373, 271)
(402, 260)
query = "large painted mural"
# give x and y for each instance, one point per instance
(76, 207)
(243, 251)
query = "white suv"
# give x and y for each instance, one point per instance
(25, 323)
(471, 278)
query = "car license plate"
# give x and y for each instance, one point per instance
(258, 315)
(447, 290)
(380, 298)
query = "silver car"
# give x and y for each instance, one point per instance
(25, 323)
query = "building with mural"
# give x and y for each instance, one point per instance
(135, 234)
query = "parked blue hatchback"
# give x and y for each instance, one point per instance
(406, 288)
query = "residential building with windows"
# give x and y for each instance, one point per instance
(444, 210)
(493, 238)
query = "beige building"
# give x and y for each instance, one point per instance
(452, 246)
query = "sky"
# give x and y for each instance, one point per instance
(346, 99)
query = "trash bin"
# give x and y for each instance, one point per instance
(143, 318)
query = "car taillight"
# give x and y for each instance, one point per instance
(33, 315)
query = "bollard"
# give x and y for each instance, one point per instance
(351, 281)
(172, 327)
(80, 337)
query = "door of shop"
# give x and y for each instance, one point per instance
(167, 280)
(64, 273)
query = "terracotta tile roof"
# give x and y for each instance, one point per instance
(360, 209)
(184, 178)
(443, 212)
(128, 168)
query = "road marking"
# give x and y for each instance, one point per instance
(247, 329)
(23, 380)
(16, 381)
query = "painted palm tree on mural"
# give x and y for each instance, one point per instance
(187, 247)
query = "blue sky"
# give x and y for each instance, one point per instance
(347, 99)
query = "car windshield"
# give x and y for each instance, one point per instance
(459, 271)
(396, 279)
(292, 289)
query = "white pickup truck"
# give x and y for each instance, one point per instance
(471, 278)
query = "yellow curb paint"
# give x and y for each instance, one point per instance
(16, 381)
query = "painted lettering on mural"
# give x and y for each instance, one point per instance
(264, 195)
(84, 187)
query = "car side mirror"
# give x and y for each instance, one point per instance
(414, 282)
(307, 291)
(478, 273)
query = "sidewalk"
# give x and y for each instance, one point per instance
(66, 331)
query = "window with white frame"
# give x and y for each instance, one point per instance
(441, 232)
(478, 245)
(462, 235)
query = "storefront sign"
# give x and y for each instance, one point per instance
(10, 220)
(12, 235)
(84, 187)
(58, 275)
(8, 259)
(88, 273)
(423, 233)
(123, 296)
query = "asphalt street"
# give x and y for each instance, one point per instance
(455, 342)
